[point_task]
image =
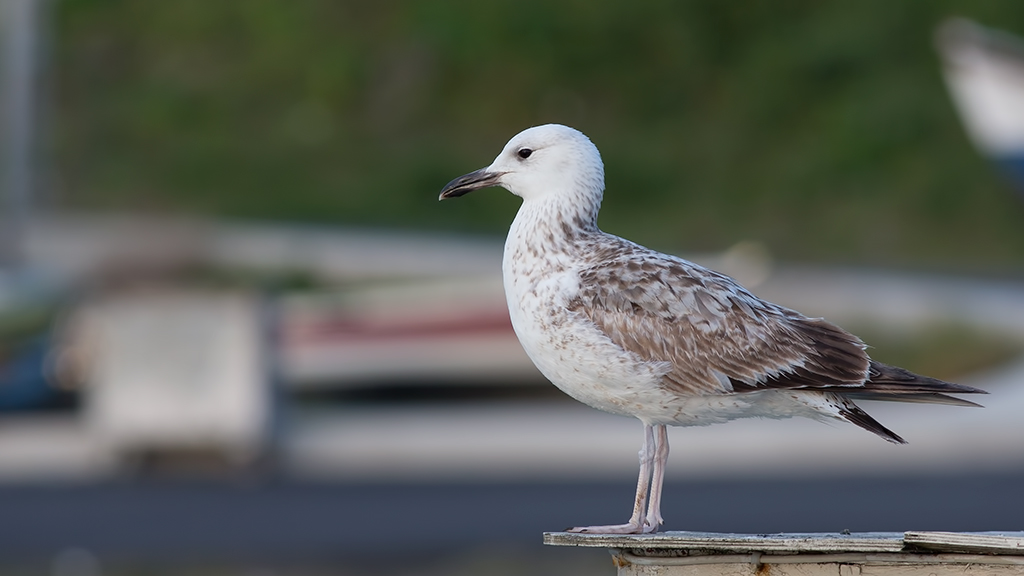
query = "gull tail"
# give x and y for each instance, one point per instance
(894, 384)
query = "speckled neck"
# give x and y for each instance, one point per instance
(542, 238)
(555, 220)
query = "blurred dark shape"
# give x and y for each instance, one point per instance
(30, 309)
(23, 381)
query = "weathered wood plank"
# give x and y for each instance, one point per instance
(822, 569)
(862, 554)
(980, 542)
(696, 542)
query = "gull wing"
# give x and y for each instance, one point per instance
(715, 337)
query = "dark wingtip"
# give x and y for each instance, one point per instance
(855, 415)
(893, 379)
(912, 398)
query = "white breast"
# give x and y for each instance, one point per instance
(567, 348)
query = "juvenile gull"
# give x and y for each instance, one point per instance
(636, 332)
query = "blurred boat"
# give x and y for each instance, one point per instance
(422, 332)
(984, 69)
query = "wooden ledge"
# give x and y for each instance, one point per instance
(878, 553)
(711, 542)
(687, 543)
(1008, 543)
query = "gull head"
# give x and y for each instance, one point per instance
(540, 163)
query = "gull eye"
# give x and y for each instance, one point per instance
(524, 153)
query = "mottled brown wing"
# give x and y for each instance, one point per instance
(718, 337)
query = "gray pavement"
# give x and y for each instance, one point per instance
(319, 522)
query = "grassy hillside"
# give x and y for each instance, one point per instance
(822, 129)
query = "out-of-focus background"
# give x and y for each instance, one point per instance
(239, 334)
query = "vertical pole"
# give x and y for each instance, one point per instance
(18, 19)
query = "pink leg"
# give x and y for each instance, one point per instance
(635, 524)
(654, 519)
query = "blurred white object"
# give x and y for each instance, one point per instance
(171, 372)
(984, 69)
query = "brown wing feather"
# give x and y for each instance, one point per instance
(717, 337)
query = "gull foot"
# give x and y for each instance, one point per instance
(651, 528)
(652, 523)
(628, 528)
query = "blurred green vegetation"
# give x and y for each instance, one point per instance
(821, 128)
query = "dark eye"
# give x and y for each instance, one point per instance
(524, 153)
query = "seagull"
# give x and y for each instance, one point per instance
(635, 332)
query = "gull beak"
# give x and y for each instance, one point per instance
(472, 181)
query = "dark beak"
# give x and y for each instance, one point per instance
(466, 184)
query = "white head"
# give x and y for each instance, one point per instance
(540, 162)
